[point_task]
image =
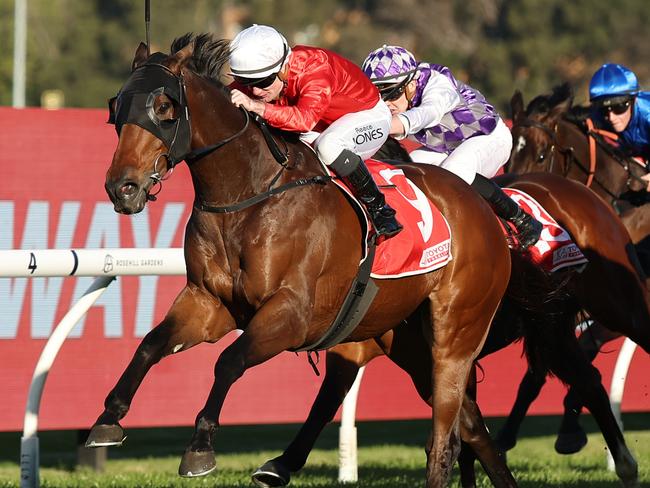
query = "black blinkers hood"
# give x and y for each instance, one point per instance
(134, 104)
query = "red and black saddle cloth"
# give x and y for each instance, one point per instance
(424, 244)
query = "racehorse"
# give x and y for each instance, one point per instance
(552, 135)
(609, 289)
(272, 248)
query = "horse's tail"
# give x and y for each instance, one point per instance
(545, 309)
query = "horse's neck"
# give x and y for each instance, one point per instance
(238, 169)
(606, 170)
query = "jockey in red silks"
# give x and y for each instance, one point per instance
(458, 129)
(326, 98)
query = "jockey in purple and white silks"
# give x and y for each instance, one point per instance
(456, 126)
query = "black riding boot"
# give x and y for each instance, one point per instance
(352, 170)
(528, 228)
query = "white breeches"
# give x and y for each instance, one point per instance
(361, 132)
(484, 154)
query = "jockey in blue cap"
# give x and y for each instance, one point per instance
(618, 104)
(456, 126)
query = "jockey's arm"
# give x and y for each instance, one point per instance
(314, 98)
(439, 97)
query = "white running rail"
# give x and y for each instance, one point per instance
(106, 264)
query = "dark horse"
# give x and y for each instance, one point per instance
(552, 135)
(609, 289)
(279, 268)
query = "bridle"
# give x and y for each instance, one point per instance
(177, 133)
(595, 136)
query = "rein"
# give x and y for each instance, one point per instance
(199, 153)
(235, 207)
(595, 136)
(281, 157)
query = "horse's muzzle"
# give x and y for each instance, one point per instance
(128, 196)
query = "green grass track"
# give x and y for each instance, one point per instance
(391, 455)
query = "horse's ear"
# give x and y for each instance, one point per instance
(517, 106)
(563, 102)
(183, 55)
(140, 56)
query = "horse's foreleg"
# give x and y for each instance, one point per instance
(281, 324)
(194, 317)
(342, 366)
(572, 367)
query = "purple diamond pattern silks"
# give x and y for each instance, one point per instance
(474, 116)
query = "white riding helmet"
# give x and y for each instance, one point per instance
(257, 52)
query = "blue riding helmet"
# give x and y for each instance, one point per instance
(612, 81)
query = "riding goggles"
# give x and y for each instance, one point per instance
(261, 83)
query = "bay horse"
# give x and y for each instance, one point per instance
(278, 264)
(609, 289)
(550, 134)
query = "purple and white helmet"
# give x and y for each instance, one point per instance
(390, 65)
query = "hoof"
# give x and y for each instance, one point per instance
(197, 463)
(570, 442)
(105, 435)
(270, 474)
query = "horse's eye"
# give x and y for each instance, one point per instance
(164, 107)
(541, 157)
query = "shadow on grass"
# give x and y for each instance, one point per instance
(58, 448)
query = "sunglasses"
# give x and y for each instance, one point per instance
(616, 108)
(261, 83)
(392, 94)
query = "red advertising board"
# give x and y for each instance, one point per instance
(52, 196)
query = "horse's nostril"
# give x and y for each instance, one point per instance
(128, 189)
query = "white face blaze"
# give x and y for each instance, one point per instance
(521, 144)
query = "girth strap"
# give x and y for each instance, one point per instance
(354, 308)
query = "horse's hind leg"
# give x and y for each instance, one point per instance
(476, 442)
(342, 365)
(459, 326)
(194, 317)
(529, 388)
(571, 437)
(571, 366)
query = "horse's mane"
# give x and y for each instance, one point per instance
(578, 114)
(543, 104)
(209, 56)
